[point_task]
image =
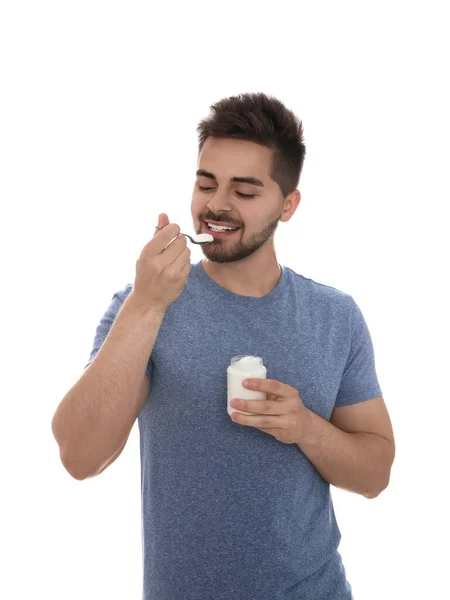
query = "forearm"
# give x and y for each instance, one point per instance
(97, 413)
(357, 462)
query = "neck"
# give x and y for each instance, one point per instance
(245, 277)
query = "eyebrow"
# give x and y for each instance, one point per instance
(250, 180)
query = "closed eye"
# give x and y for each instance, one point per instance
(204, 189)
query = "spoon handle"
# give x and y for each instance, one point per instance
(157, 227)
(185, 234)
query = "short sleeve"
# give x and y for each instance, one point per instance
(359, 380)
(104, 326)
(106, 322)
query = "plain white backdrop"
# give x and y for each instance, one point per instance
(99, 107)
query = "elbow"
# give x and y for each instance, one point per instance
(376, 491)
(70, 468)
(76, 470)
(384, 479)
(76, 475)
(372, 494)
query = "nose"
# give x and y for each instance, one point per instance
(219, 203)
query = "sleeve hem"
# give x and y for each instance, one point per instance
(359, 398)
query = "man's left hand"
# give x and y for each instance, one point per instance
(282, 414)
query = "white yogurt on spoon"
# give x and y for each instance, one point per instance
(201, 238)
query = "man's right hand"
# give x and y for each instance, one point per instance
(162, 268)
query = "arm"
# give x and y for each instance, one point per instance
(119, 451)
(94, 419)
(355, 450)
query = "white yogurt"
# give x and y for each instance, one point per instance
(240, 368)
(203, 237)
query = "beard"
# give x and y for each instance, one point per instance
(224, 250)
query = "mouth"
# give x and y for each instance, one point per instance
(218, 234)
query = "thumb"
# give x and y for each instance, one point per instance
(163, 221)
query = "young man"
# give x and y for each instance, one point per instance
(234, 508)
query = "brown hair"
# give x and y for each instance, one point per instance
(265, 120)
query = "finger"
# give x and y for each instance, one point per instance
(163, 237)
(261, 407)
(259, 421)
(267, 385)
(163, 221)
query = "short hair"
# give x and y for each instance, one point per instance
(262, 119)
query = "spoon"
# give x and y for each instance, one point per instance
(199, 238)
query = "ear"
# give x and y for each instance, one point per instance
(290, 205)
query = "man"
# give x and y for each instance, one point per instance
(234, 508)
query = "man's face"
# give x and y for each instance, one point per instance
(257, 217)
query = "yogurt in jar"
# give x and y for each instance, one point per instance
(240, 368)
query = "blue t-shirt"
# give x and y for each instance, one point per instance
(228, 511)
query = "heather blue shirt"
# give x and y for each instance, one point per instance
(228, 511)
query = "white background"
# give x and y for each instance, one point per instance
(99, 107)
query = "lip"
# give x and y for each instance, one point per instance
(218, 234)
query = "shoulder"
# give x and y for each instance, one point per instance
(322, 296)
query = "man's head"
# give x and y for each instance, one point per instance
(246, 136)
